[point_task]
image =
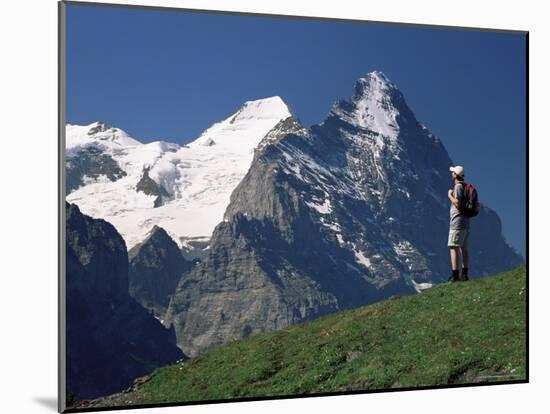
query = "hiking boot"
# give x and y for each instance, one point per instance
(453, 278)
(464, 276)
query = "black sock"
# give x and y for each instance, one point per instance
(464, 271)
(455, 273)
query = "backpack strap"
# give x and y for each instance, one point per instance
(461, 201)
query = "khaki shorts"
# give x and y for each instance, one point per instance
(458, 237)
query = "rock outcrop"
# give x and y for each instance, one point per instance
(156, 266)
(110, 338)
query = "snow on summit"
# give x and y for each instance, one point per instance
(240, 131)
(372, 105)
(196, 179)
(375, 109)
(97, 133)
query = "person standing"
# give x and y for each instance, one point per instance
(459, 226)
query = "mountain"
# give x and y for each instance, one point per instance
(182, 188)
(342, 214)
(110, 339)
(156, 266)
(415, 341)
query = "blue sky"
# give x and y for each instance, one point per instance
(169, 75)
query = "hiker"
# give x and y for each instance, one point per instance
(459, 227)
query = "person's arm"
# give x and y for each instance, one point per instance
(452, 197)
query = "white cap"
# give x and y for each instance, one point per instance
(458, 170)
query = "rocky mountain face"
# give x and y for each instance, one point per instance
(195, 248)
(156, 266)
(342, 214)
(90, 164)
(110, 338)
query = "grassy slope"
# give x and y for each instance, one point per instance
(451, 334)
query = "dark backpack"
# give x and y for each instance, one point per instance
(469, 206)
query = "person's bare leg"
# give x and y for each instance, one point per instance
(454, 257)
(454, 263)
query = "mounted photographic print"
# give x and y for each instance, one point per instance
(265, 206)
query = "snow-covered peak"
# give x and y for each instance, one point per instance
(97, 133)
(97, 127)
(372, 83)
(372, 105)
(247, 126)
(267, 108)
